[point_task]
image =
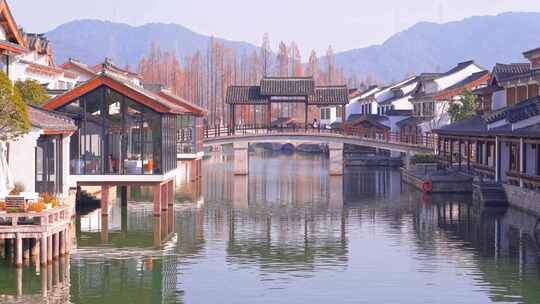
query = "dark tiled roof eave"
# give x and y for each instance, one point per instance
(287, 86)
(329, 95)
(248, 95)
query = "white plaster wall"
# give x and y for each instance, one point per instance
(449, 80)
(498, 100)
(403, 103)
(373, 107)
(2, 34)
(65, 165)
(22, 155)
(354, 107)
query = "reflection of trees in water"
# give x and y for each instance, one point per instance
(125, 281)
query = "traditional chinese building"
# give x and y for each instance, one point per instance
(502, 143)
(295, 90)
(30, 56)
(437, 91)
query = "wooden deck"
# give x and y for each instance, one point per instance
(43, 235)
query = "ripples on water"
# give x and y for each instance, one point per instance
(291, 234)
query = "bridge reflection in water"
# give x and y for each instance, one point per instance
(290, 227)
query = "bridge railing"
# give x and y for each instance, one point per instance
(408, 139)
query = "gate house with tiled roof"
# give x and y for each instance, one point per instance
(274, 90)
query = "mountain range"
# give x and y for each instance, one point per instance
(424, 47)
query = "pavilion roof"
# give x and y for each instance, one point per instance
(287, 86)
(290, 87)
(245, 95)
(329, 95)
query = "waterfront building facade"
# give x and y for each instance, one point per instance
(437, 91)
(30, 56)
(503, 143)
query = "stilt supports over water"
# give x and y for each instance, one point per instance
(336, 159)
(163, 197)
(241, 158)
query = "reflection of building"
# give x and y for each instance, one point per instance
(366, 183)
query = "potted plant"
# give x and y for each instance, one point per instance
(3, 207)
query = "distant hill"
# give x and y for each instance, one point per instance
(92, 40)
(429, 46)
(425, 47)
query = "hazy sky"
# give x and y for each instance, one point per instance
(345, 24)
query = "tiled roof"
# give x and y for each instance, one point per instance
(245, 95)
(523, 110)
(10, 46)
(250, 95)
(530, 52)
(50, 120)
(411, 121)
(475, 125)
(287, 86)
(372, 119)
(80, 66)
(137, 93)
(460, 66)
(354, 117)
(329, 95)
(503, 71)
(470, 82)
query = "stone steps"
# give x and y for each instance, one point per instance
(492, 194)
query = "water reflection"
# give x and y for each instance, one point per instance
(290, 233)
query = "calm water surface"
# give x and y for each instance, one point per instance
(291, 234)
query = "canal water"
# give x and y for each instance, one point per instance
(289, 233)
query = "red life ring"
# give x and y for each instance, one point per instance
(427, 186)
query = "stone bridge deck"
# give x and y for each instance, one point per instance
(240, 139)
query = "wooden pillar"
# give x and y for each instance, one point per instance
(105, 199)
(459, 154)
(269, 116)
(62, 242)
(157, 200)
(26, 249)
(451, 152)
(497, 159)
(43, 249)
(306, 115)
(18, 250)
(56, 246)
(49, 249)
(522, 159)
(233, 129)
(171, 192)
(165, 197)
(468, 155)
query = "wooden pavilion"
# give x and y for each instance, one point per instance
(275, 90)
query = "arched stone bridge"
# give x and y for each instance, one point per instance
(241, 138)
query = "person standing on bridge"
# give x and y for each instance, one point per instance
(315, 123)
